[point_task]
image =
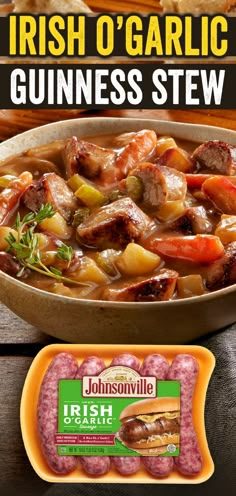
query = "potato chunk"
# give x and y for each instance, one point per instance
(191, 285)
(136, 261)
(57, 226)
(4, 233)
(88, 271)
(226, 229)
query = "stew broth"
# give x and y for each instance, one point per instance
(148, 230)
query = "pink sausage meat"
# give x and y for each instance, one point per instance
(90, 366)
(127, 360)
(157, 366)
(64, 366)
(93, 465)
(184, 368)
(126, 465)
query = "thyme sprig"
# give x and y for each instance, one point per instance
(25, 246)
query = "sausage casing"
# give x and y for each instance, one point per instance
(64, 366)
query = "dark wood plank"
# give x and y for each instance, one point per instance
(12, 454)
(14, 330)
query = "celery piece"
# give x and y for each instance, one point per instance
(75, 182)
(134, 187)
(106, 261)
(90, 196)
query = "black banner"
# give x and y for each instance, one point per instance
(146, 86)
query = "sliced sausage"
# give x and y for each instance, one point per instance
(158, 288)
(9, 264)
(223, 272)
(63, 366)
(114, 225)
(193, 221)
(93, 465)
(184, 369)
(160, 184)
(126, 465)
(53, 189)
(217, 156)
(86, 158)
(10, 197)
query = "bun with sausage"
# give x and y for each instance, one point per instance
(149, 426)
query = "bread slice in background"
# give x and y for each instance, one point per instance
(197, 6)
(51, 6)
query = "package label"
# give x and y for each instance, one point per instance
(118, 413)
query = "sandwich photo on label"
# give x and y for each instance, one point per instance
(150, 426)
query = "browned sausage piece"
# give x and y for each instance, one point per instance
(217, 156)
(114, 225)
(194, 221)
(53, 189)
(8, 264)
(161, 184)
(158, 288)
(86, 158)
(223, 272)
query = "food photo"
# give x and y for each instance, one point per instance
(117, 289)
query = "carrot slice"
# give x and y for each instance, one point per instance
(10, 196)
(195, 181)
(201, 248)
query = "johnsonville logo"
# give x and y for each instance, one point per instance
(119, 381)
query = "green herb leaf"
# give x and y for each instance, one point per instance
(65, 252)
(25, 247)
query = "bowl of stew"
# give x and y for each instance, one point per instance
(119, 230)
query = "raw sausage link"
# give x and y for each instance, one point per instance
(184, 368)
(157, 366)
(64, 366)
(127, 360)
(90, 366)
(126, 465)
(159, 466)
(93, 465)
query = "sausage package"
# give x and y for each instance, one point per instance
(127, 414)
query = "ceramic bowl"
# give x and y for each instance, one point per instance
(88, 321)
